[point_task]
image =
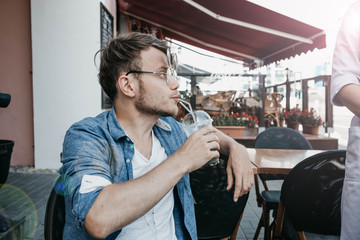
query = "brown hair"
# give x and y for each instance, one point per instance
(122, 55)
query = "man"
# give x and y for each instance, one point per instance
(126, 170)
(345, 91)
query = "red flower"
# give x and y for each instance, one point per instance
(310, 118)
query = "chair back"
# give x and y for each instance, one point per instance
(217, 215)
(311, 193)
(55, 213)
(280, 138)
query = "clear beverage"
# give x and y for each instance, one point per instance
(194, 121)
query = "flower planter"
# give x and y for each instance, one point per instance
(232, 131)
(310, 129)
(6, 147)
(293, 125)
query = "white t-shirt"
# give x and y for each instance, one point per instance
(158, 223)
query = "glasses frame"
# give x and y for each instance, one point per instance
(169, 75)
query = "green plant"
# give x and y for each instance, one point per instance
(292, 116)
(235, 119)
(310, 117)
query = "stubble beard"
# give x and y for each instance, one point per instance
(144, 105)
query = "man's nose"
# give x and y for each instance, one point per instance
(174, 83)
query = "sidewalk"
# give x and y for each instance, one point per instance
(36, 186)
(30, 192)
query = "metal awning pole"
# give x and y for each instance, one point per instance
(262, 96)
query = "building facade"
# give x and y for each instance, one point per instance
(47, 64)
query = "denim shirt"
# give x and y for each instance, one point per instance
(99, 146)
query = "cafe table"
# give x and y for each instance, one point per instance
(277, 161)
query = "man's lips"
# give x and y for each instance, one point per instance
(176, 97)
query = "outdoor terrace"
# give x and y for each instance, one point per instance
(36, 186)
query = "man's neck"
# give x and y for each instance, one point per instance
(138, 127)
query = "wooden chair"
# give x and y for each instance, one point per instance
(311, 196)
(273, 109)
(217, 215)
(276, 138)
(216, 103)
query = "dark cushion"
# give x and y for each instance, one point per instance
(272, 198)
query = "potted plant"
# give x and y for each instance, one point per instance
(6, 146)
(234, 124)
(310, 121)
(292, 118)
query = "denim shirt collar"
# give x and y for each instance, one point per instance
(118, 132)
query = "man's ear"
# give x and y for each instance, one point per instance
(126, 86)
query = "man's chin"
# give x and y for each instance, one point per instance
(169, 114)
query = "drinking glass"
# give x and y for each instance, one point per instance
(194, 121)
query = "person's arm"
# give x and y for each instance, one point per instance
(349, 96)
(345, 81)
(119, 204)
(239, 167)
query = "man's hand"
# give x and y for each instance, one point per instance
(239, 168)
(199, 148)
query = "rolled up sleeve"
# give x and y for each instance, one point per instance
(86, 168)
(346, 59)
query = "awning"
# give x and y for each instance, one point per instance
(188, 71)
(234, 28)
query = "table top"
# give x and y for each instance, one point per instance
(278, 161)
(251, 134)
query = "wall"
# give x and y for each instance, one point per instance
(16, 121)
(65, 37)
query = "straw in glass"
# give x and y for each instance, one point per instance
(188, 108)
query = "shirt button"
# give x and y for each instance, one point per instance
(127, 160)
(128, 139)
(131, 146)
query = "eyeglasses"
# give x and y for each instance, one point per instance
(169, 75)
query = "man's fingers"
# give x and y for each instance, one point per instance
(230, 178)
(238, 189)
(207, 130)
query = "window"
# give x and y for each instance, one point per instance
(107, 33)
